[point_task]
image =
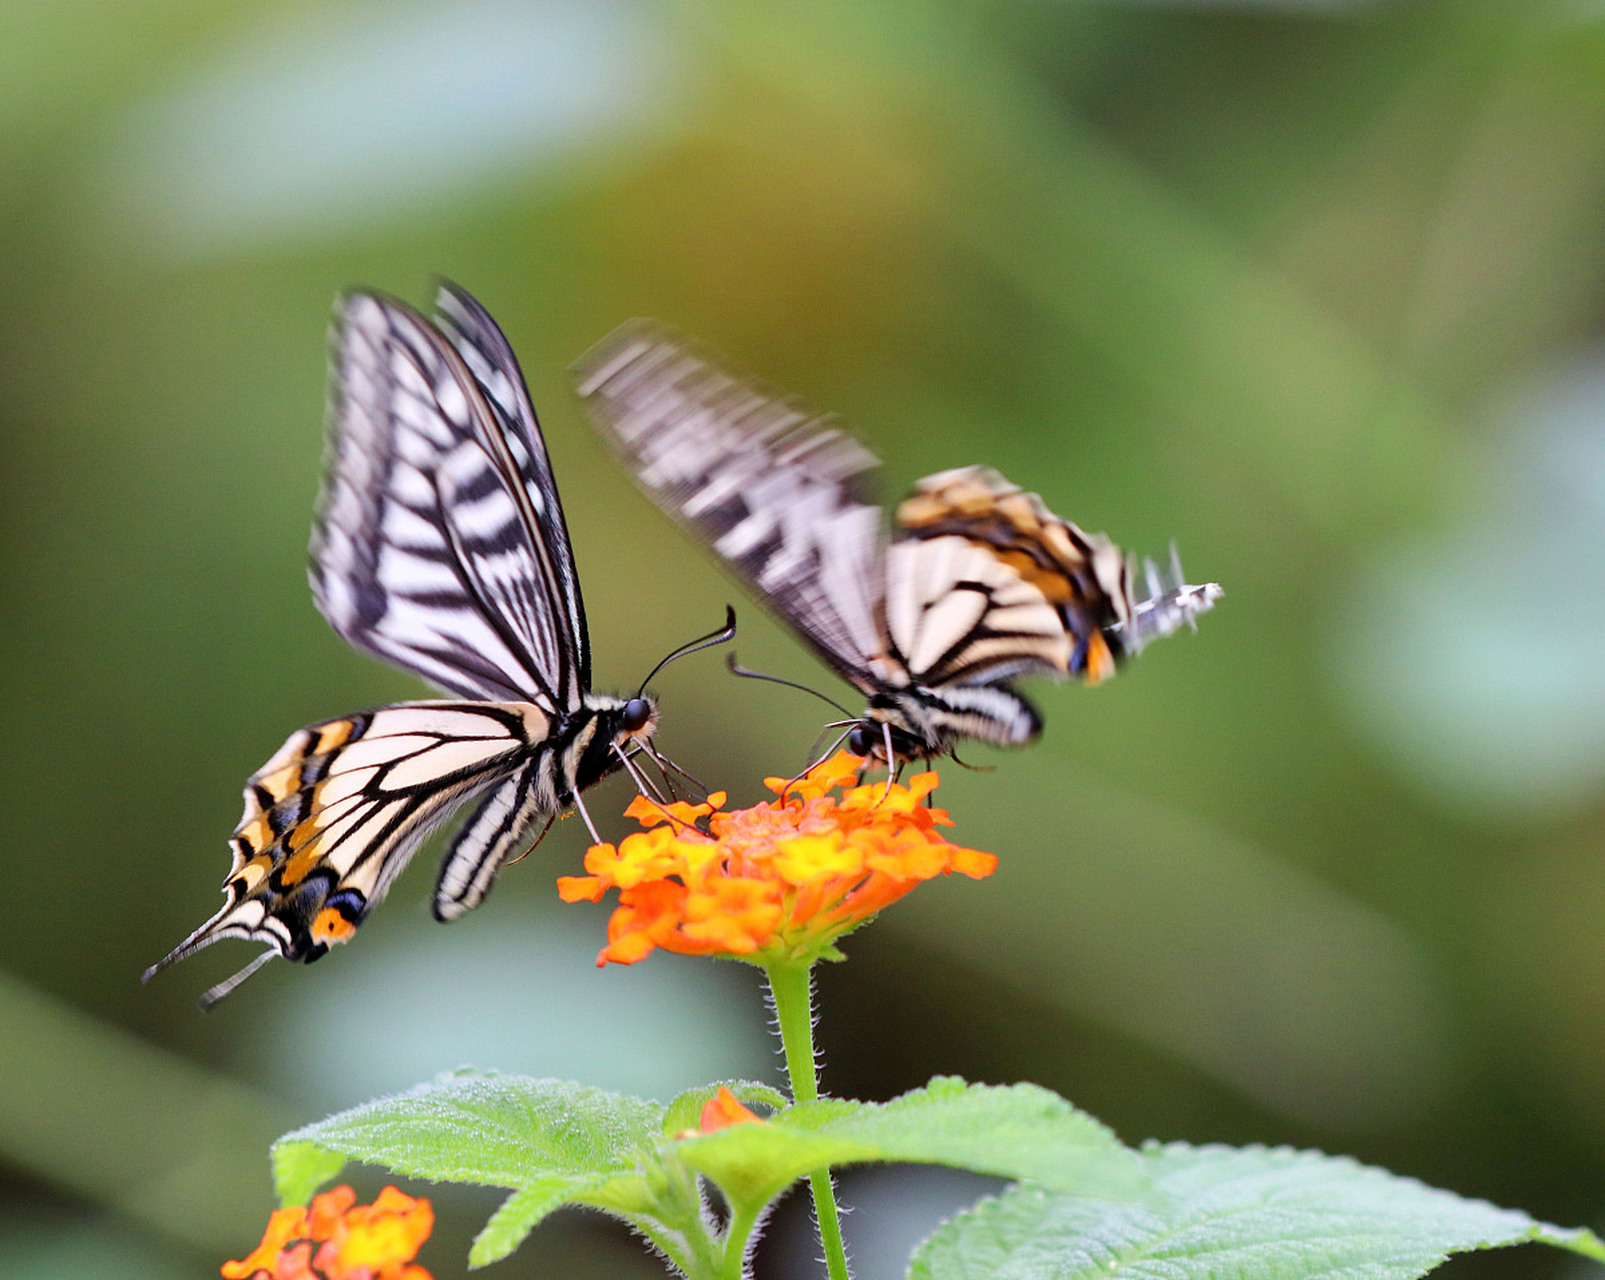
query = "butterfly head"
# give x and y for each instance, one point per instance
(638, 715)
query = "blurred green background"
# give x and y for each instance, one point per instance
(1316, 289)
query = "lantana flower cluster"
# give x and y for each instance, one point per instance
(335, 1238)
(774, 883)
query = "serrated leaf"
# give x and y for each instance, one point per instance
(1013, 1131)
(1017, 1131)
(1253, 1214)
(477, 1127)
(519, 1214)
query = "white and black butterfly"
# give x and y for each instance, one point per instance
(980, 585)
(440, 546)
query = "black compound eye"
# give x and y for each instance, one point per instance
(637, 711)
(862, 740)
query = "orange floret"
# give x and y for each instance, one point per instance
(775, 882)
(723, 1110)
(337, 1239)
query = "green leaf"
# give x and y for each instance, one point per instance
(1014, 1131)
(1253, 1214)
(520, 1214)
(1018, 1131)
(476, 1127)
(300, 1168)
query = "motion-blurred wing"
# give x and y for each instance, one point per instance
(957, 614)
(1085, 576)
(771, 486)
(339, 810)
(439, 543)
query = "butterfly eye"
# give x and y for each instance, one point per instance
(637, 711)
(862, 740)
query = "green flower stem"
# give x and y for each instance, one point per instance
(735, 1243)
(791, 986)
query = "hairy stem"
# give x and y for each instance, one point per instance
(791, 987)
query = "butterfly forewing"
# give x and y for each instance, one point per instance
(774, 489)
(522, 457)
(423, 553)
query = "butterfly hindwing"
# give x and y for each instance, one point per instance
(1084, 576)
(332, 818)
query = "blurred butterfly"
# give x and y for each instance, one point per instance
(440, 546)
(982, 583)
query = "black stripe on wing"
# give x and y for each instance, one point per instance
(774, 488)
(341, 808)
(425, 551)
(560, 624)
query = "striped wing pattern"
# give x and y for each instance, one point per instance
(439, 545)
(778, 492)
(1085, 576)
(342, 806)
(773, 488)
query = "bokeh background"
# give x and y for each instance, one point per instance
(1315, 289)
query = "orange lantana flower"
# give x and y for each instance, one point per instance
(337, 1239)
(777, 882)
(722, 1111)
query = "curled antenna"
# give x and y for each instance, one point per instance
(723, 635)
(737, 669)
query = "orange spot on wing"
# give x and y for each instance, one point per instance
(281, 782)
(331, 926)
(334, 734)
(1100, 659)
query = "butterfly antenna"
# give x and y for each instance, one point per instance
(224, 988)
(723, 635)
(737, 669)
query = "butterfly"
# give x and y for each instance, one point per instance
(980, 585)
(439, 545)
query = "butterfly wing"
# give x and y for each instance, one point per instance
(777, 491)
(1085, 576)
(338, 811)
(957, 615)
(439, 543)
(774, 489)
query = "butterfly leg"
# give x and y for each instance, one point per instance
(533, 844)
(585, 815)
(892, 767)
